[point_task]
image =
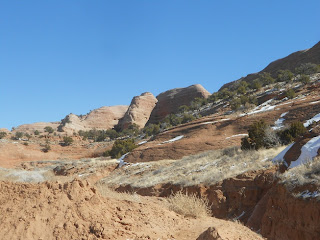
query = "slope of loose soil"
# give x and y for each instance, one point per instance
(76, 210)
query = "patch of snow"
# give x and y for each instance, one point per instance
(174, 139)
(143, 142)
(261, 108)
(264, 160)
(221, 120)
(238, 135)
(236, 218)
(308, 152)
(279, 123)
(307, 194)
(121, 160)
(279, 157)
(315, 102)
(316, 118)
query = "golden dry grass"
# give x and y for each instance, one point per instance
(208, 168)
(307, 173)
(109, 193)
(189, 205)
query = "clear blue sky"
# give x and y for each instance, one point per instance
(63, 56)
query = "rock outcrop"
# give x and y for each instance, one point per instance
(139, 111)
(39, 126)
(101, 119)
(171, 100)
(290, 62)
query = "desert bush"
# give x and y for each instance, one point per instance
(183, 109)
(290, 93)
(151, 129)
(241, 90)
(295, 130)
(305, 79)
(121, 147)
(189, 205)
(198, 102)
(266, 78)
(27, 135)
(46, 147)
(307, 68)
(187, 118)
(67, 141)
(235, 104)
(256, 84)
(3, 134)
(213, 97)
(225, 94)
(260, 135)
(285, 76)
(48, 129)
(17, 136)
(36, 132)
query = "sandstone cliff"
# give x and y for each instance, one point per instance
(171, 100)
(139, 111)
(101, 119)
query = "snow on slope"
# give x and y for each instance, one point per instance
(316, 118)
(308, 152)
(279, 123)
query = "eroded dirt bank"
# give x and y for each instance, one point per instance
(75, 210)
(233, 198)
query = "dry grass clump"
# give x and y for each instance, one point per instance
(125, 196)
(189, 205)
(307, 173)
(204, 168)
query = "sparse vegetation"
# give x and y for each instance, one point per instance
(17, 136)
(290, 94)
(123, 196)
(48, 129)
(295, 130)
(36, 132)
(46, 147)
(305, 79)
(189, 205)
(285, 76)
(3, 134)
(307, 173)
(121, 147)
(67, 141)
(307, 68)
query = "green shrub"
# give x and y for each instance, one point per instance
(46, 147)
(260, 135)
(235, 104)
(266, 78)
(3, 134)
(241, 90)
(183, 109)
(285, 76)
(213, 97)
(307, 68)
(36, 132)
(48, 129)
(67, 141)
(187, 118)
(256, 84)
(295, 130)
(305, 79)
(290, 94)
(121, 147)
(17, 136)
(151, 129)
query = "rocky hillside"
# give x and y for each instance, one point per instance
(291, 62)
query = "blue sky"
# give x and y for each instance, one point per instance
(58, 57)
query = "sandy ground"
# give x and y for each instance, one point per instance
(76, 210)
